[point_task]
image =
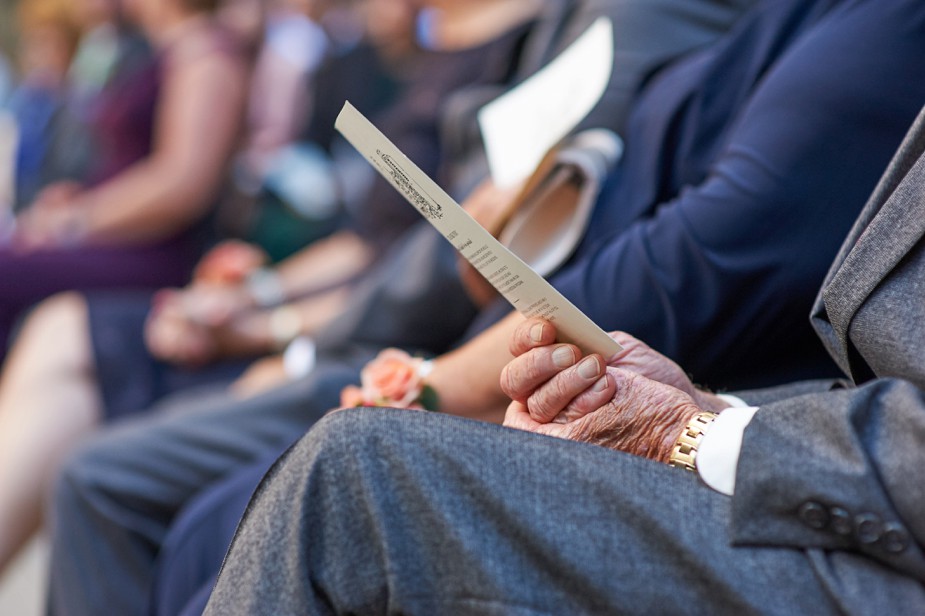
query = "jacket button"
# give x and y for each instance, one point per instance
(868, 528)
(841, 522)
(894, 539)
(814, 515)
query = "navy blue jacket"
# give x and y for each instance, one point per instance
(745, 165)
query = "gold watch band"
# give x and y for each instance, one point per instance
(684, 453)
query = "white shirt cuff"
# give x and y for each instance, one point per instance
(299, 358)
(718, 454)
(734, 401)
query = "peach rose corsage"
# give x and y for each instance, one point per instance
(230, 263)
(394, 379)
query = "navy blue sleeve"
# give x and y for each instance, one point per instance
(722, 278)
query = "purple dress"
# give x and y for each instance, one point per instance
(124, 117)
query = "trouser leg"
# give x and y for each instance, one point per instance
(117, 496)
(402, 512)
(193, 550)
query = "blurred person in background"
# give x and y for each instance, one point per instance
(483, 55)
(206, 323)
(107, 116)
(142, 227)
(294, 48)
(286, 187)
(48, 38)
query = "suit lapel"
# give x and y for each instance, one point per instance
(890, 225)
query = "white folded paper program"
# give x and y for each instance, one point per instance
(519, 127)
(526, 290)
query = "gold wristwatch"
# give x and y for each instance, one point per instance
(684, 453)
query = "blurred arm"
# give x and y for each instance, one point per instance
(197, 126)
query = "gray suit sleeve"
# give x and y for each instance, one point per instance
(841, 470)
(765, 396)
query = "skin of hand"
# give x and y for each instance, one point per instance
(638, 404)
(230, 262)
(489, 206)
(59, 193)
(639, 357)
(183, 325)
(466, 378)
(52, 220)
(262, 375)
(172, 336)
(202, 323)
(47, 228)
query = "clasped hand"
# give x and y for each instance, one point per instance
(56, 219)
(638, 402)
(215, 316)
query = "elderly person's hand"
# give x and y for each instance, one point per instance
(640, 403)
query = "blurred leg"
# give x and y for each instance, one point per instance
(193, 550)
(119, 492)
(48, 401)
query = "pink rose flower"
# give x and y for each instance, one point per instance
(392, 379)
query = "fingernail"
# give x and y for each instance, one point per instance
(601, 385)
(589, 368)
(563, 357)
(536, 332)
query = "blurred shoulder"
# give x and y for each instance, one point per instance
(207, 41)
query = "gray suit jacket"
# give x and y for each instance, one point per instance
(840, 471)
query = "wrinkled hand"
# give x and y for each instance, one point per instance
(556, 391)
(640, 358)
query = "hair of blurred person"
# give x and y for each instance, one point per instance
(48, 38)
(48, 33)
(106, 118)
(390, 25)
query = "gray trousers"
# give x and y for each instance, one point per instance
(118, 494)
(380, 511)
